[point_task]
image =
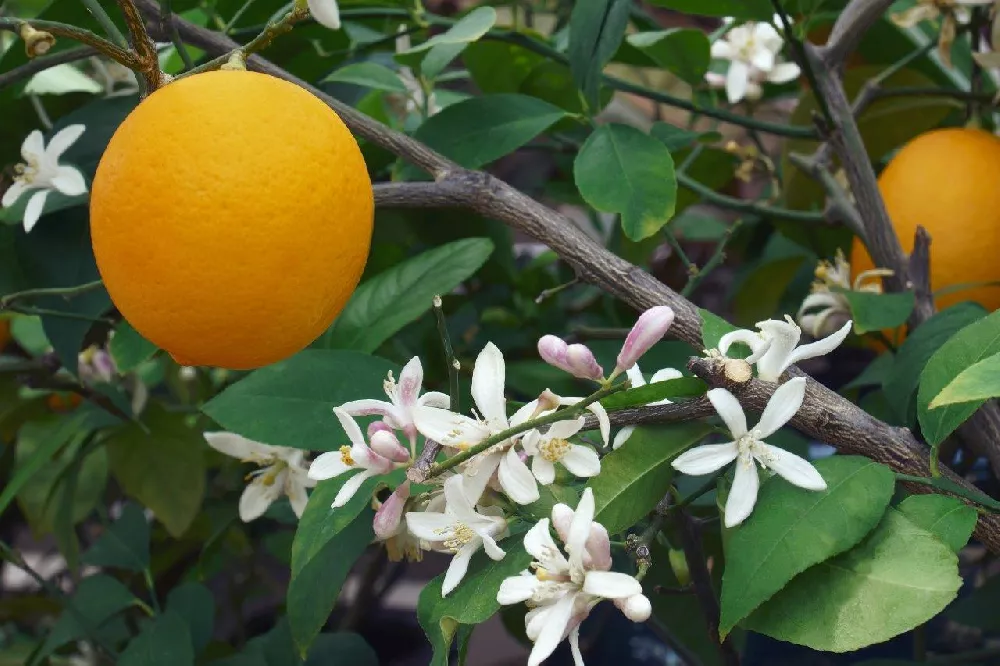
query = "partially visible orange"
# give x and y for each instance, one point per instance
(231, 218)
(4, 332)
(947, 181)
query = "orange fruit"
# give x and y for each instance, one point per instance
(4, 332)
(231, 218)
(947, 181)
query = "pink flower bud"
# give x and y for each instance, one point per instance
(575, 359)
(389, 516)
(385, 443)
(376, 426)
(649, 329)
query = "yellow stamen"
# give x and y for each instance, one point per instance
(345, 456)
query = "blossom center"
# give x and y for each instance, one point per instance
(345, 456)
(460, 534)
(27, 173)
(268, 474)
(553, 450)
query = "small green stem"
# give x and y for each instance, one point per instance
(65, 292)
(946, 485)
(45, 312)
(713, 262)
(802, 59)
(681, 254)
(504, 435)
(116, 35)
(108, 48)
(151, 586)
(746, 206)
(449, 354)
(167, 20)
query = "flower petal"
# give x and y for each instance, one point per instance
(574, 646)
(565, 429)
(449, 428)
(350, 427)
(820, 347)
(784, 336)
(459, 566)
(488, 379)
(516, 479)
(723, 50)
(611, 585)
(737, 79)
(515, 589)
(622, 436)
(429, 525)
(350, 488)
(62, 140)
(13, 193)
(705, 459)
(543, 470)
(797, 471)
(751, 339)
(523, 413)
(328, 465)
(33, 147)
(579, 529)
(326, 13)
(478, 473)
(634, 375)
(784, 72)
(599, 548)
(665, 375)
(743, 494)
(36, 204)
(435, 399)
(410, 381)
(369, 407)
(458, 503)
(69, 181)
(552, 631)
(782, 406)
(729, 409)
(598, 410)
(539, 544)
(582, 461)
(256, 498)
(495, 552)
(239, 447)
(297, 495)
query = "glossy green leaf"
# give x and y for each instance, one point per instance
(483, 129)
(96, 599)
(682, 387)
(875, 312)
(792, 529)
(970, 345)
(900, 385)
(291, 403)
(124, 545)
(471, 27)
(194, 602)
(163, 468)
(474, 600)
(621, 170)
(387, 302)
(499, 67)
(948, 518)
(596, 29)
(549, 496)
(128, 348)
(761, 10)
(636, 476)
(979, 382)
(899, 577)
(676, 138)
(341, 648)
(713, 327)
(681, 51)
(368, 74)
(164, 641)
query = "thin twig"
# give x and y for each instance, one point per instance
(698, 275)
(65, 292)
(98, 43)
(167, 25)
(112, 31)
(147, 60)
(42, 63)
(449, 354)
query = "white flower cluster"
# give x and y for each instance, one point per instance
(754, 54)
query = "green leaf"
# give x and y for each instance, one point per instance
(398, 296)
(676, 138)
(978, 609)
(948, 518)
(128, 348)
(368, 74)
(164, 641)
(474, 600)
(596, 29)
(977, 383)
(549, 496)
(124, 545)
(874, 312)
(473, 25)
(636, 476)
(713, 327)
(96, 599)
(681, 51)
(793, 529)
(291, 403)
(316, 581)
(163, 468)
(682, 387)
(341, 648)
(621, 170)
(761, 10)
(901, 383)
(970, 345)
(482, 129)
(899, 577)
(194, 602)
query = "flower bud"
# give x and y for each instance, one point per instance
(649, 329)
(389, 516)
(575, 359)
(376, 426)
(326, 13)
(384, 443)
(636, 608)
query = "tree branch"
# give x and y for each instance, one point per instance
(688, 410)
(147, 60)
(42, 63)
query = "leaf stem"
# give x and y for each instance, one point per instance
(167, 22)
(65, 292)
(699, 274)
(108, 48)
(948, 486)
(116, 35)
(151, 586)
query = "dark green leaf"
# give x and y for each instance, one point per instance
(621, 170)
(128, 348)
(163, 468)
(874, 312)
(471, 27)
(125, 544)
(713, 327)
(792, 529)
(96, 599)
(741, 9)
(194, 602)
(596, 29)
(970, 345)
(368, 74)
(387, 302)
(899, 577)
(549, 496)
(636, 476)
(498, 67)
(341, 648)
(875, 374)
(291, 403)
(676, 138)
(948, 518)
(681, 51)
(682, 387)
(164, 641)
(979, 382)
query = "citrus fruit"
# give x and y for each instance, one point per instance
(4, 332)
(947, 181)
(231, 218)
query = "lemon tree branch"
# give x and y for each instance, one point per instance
(57, 29)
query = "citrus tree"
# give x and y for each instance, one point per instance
(683, 306)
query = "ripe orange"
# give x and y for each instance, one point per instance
(4, 332)
(948, 181)
(231, 218)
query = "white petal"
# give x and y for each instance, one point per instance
(515, 589)
(459, 566)
(297, 495)
(784, 336)
(743, 494)
(579, 529)
(705, 459)
(459, 504)
(599, 548)
(524, 413)
(543, 470)
(449, 428)
(239, 447)
(562, 518)
(256, 498)
(665, 375)
(13, 193)
(516, 478)
(326, 13)
(539, 544)
(574, 646)
(33, 147)
(763, 59)
(582, 461)
(635, 376)
(751, 339)
(723, 50)
(435, 399)
(328, 465)
(34, 210)
(565, 429)
(729, 410)
(611, 585)
(478, 473)
(494, 551)
(488, 379)
(783, 73)
(636, 608)
(369, 408)
(791, 467)
(598, 410)
(429, 525)
(820, 347)
(782, 406)
(350, 426)
(736, 81)
(350, 488)
(623, 436)
(552, 631)
(62, 140)
(410, 381)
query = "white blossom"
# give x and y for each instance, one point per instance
(825, 310)
(282, 471)
(749, 446)
(545, 450)
(753, 51)
(776, 347)
(41, 171)
(635, 376)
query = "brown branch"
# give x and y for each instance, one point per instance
(148, 62)
(417, 473)
(688, 410)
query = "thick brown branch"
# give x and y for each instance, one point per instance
(142, 44)
(689, 410)
(851, 26)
